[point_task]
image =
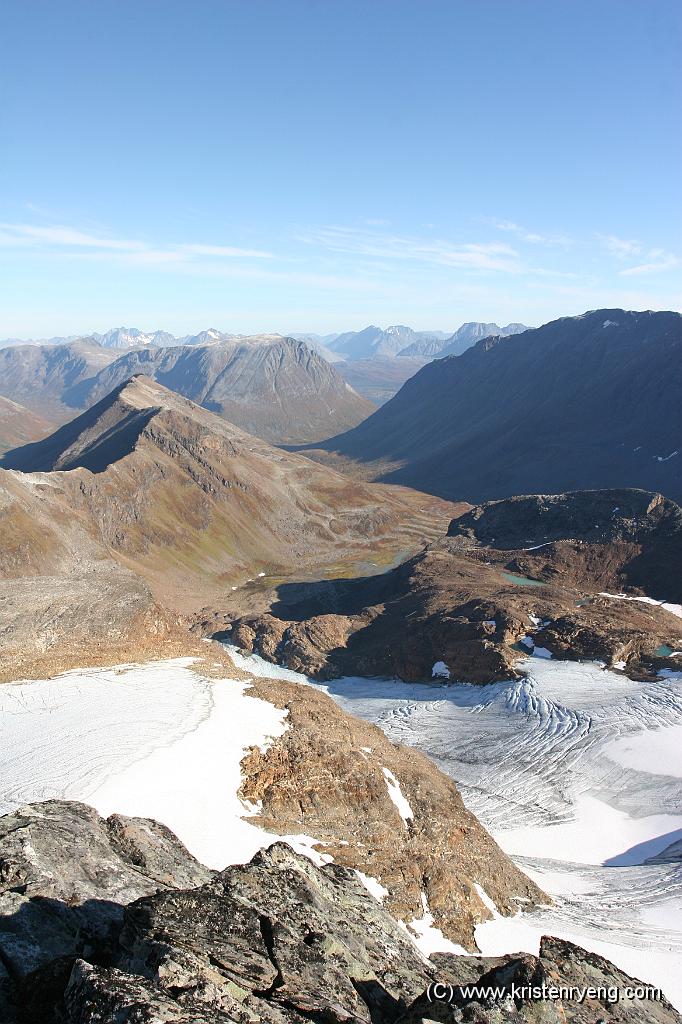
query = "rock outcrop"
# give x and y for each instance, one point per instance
(336, 778)
(114, 923)
(535, 571)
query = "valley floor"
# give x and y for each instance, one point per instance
(564, 768)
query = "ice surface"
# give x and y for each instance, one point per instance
(538, 761)
(154, 740)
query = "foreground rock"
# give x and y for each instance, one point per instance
(510, 576)
(113, 922)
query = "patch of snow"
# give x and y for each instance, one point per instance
(396, 795)
(656, 751)
(610, 323)
(366, 750)
(674, 609)
(440, 671)
(430, 939)
(485, 900)
(155, 740)
(490, 622)
(373, 886)
(261, 574)
(541, 652)
(534, 619)
(528, 642)
(664, 458)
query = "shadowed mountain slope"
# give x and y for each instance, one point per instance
(589, 401)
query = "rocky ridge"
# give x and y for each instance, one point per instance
(112, 921)
(276, 388)
(537, 572)
(153, 507)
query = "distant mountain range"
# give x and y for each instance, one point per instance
(365, 344)
(400, 341)
(375, 361)
(378, 361)
(274, 387)
(583, 402)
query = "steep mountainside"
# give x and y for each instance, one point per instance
(18, 425)
(273, 387)
(130, 928)
(511, 576)
(186, 505)
(42, 377)
(589, 401)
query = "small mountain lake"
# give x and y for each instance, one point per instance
(522, 581)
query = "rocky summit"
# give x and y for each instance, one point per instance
(112, 921)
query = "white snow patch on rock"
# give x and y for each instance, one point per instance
(396, 795)
(372, 885)
(430, 939)
(440, 671)
(674, 609)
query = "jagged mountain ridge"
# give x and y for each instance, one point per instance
(463, 338)
(274, 387)
(150, 488)
(588, 401)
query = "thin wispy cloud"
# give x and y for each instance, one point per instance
(65, 237)
(653, 260)
(658, 261)
(493, 256)
(526, 235)
(621, 248)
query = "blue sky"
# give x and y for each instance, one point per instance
(275, 165)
